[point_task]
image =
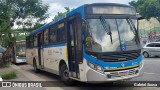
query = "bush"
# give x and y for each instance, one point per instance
(5, 65)
(9, 76)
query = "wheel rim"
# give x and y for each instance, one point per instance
(145, 54)
(66, 74)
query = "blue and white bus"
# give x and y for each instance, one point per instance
(94, 42)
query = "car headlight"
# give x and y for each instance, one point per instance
(95, 67)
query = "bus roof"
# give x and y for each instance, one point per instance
(77, 10)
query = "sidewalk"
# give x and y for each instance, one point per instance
(23, 75)
(20, 76)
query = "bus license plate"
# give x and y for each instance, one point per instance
(123, 73)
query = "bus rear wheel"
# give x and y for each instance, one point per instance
(64, 74)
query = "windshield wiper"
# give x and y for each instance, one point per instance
(133, 28)
(107, 29)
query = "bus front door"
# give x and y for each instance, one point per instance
(72, 35)
(40, 50)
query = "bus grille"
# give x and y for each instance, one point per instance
(116, 74)
(120, 57)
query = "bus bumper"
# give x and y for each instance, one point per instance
(20, 60)
(94, 76)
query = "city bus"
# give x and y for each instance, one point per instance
(20, 55)
(93, 43)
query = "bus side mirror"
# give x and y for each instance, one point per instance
(139, 17)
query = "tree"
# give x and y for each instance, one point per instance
(147, 8)
(59, 14)
(21, 13)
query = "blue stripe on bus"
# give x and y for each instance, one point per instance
(77, 10)
(55, 45)
(112, 64)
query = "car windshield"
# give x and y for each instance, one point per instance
(122, 36)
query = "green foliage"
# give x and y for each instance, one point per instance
(59, 14)
(147, 8)
(9, 76)
(26, 14)
(5, 65)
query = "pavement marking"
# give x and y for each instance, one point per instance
(149, 73)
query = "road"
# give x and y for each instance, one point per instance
(150, 72)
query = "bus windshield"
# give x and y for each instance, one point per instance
(20, 49)
(122, 36)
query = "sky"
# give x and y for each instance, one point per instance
(58, 5)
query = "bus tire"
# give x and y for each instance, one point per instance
(36, 70)
(64, 74)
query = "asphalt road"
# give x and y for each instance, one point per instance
(150, 72)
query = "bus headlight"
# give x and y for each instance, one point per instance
(140, 65)
(95, 67)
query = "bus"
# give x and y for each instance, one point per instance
(95, 42)
(20, 55)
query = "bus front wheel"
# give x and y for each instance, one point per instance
(64, 74)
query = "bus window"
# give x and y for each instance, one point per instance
(46, 36)
(35, 40)
(61, 35)
(31, 41)
(53, 35)
(27, 44)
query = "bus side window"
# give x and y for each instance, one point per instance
(31, 41)
(61, 35)
(35, 40)
(53, 35)
(46, 36)
(28, 42)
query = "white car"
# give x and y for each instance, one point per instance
(151, 49)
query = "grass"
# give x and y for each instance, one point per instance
(9, 76)
(5, 65)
